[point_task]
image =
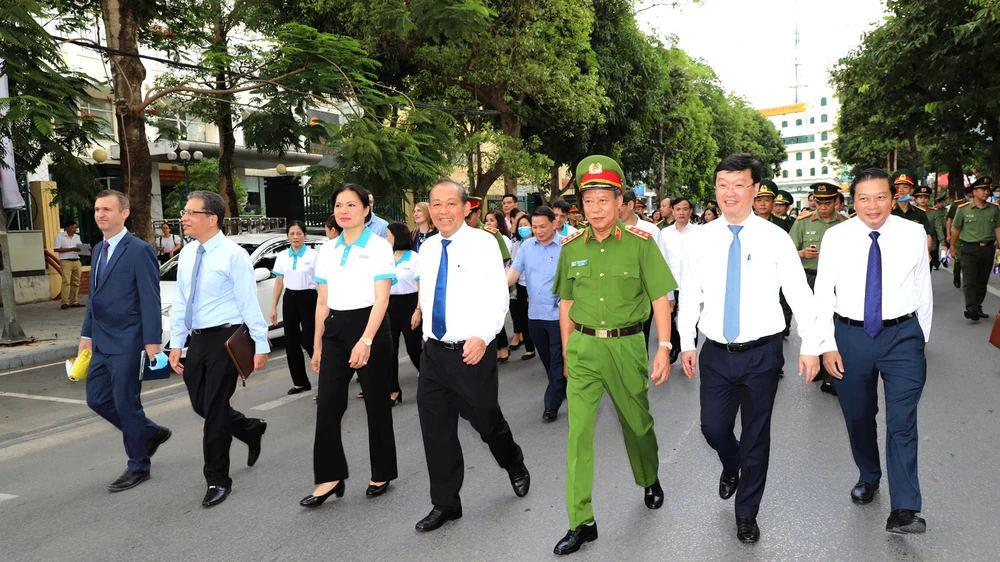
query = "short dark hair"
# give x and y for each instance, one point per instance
(298, 223)
(68, 223)
(361, 192)
(511, 195)
(544, 211)
(678, 200)
(738, 163)
(331, 222)
(501, 222)
(628, 196)
(462, 192)
(121, 197)
(401, 239)
(561, 204)
(871, 174)
(212, 203)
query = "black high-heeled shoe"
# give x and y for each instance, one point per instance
(316, 501)
(298, 389)
(397, 400)
(374, 490)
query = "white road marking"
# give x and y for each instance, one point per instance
(993, 291)
(175, 385)
(46, 398)
(32, 368)
(282, 401)
(6, 497)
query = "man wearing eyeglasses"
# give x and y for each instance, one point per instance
(215, 294)
(741, 263)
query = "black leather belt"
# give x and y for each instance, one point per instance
(447, 344)
(747, 346)
(300, 290)
(981, 244)
(614, 333)
(210, 330)
(885, 323)
(69, 259)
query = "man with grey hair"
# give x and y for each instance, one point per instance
(215, 294)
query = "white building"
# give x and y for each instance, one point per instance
(807, 129)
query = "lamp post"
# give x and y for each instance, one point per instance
(182, 152)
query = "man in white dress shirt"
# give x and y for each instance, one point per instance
(459, 270)
(674, 239)
(880, 309)
(741, 263)
(630, 216)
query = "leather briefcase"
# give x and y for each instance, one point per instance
(995, 334)
(242, 348)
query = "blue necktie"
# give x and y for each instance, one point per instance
(102, 265)
(438, 325)
(189, 310)
(873, 289)
(731, 312)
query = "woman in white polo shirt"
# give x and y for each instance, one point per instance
(354, 274)
(404, 310)
(295, 270)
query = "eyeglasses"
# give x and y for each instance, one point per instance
(185, 212)
(736, 187)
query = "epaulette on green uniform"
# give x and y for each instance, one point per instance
(571, 237)
(804, 215)
(638, 232)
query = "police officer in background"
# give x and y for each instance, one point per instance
(781, 203)
(922, 195)
(608, 275)
(903, 182)
(949, 219)
(977, 226)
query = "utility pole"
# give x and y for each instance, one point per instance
(12, 332)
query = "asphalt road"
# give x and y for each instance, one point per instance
(56, 460)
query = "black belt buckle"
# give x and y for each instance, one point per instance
(450, 345)
(985, 244)
(212, 329)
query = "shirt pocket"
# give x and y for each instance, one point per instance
(579, 277)
(625, 281)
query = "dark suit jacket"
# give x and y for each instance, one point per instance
(123, 314)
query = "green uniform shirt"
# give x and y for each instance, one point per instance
(937, 218)
(785, 223)
(496, 234)
(809, 231)
(916, 215)
(977, 224)
(611, 283)
(954, 208)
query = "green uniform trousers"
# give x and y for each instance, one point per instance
(977, 263)
(620, 367)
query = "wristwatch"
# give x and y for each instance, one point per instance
(667, 345)
(367, 341)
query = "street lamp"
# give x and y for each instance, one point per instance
(185, 158)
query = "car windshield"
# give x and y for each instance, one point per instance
(168, 271)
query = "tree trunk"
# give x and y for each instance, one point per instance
(121, 23)
(956, 181)
(554, 186)
(224, 122)
(914, 155)
(993, 126)
(661, 190)
(511, 126)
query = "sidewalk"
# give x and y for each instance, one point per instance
(56, 333)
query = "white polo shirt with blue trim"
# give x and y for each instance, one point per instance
(351, 270)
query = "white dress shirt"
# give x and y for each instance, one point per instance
(406, 274)
(350, 270)
(297, 269)
(675, 241)
(769, 263)
(64, 240)
(477, 295)
(654, 233)
(843, 270)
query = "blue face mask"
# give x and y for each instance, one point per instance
(524, 231)
(904, 199)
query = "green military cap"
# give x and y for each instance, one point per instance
(923, 190)
(767, 187)
(904, 175)
(783, 198)
(824, 190)
(984, 182)
(942, 196)
(600, 172)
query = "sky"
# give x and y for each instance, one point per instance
(751, 43)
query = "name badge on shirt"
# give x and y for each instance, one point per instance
(578, 263)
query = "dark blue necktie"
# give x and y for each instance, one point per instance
(102, 265)
(731, 308)
(438, 325)
(873, 289)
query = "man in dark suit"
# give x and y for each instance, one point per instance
(123, 318)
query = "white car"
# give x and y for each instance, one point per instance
(263, 249)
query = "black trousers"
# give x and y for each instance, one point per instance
(746, 382)
(448, 388)
(400, 313)
(519, 315)
(210, 377)
(550, 351)
(343, 329)
(298, 311)
(977, 263)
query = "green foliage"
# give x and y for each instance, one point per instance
(202, 176)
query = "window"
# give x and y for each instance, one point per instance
(823, 136)
(784, 173)
(798, 156)
(185, 123)
(812, 154)
(822, 118)
(798, 122)
(799, 139)
(798, 173)
(826, 170)
(824, 153)
(784, 124)
(812, 120)
(822, 101)
(812, 171)
(93, 108)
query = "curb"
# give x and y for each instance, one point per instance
(37, 357)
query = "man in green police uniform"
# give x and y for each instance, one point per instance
(977, 225)
(903, 182)
(807, 235)
(781, 205)
(608, 275)
(473, 220)
(949, 219)
(922, 195)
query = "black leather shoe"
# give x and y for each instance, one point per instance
(128, 479)
(863, 492)
(971, 314)
(374, 490)
(904, 522)
(550, 415)
(298, 389)
(981, 313)
(316, 501)
(654, 496)
(216, 495)
(436, 518)
(520, 480)
(747, 529)
(162, 434)
(397, 400)
(828, 388)
(728, 484)
(254, 444)
(575, 538)
(527, 356)
(958, 283)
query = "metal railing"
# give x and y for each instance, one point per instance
(231, 225)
